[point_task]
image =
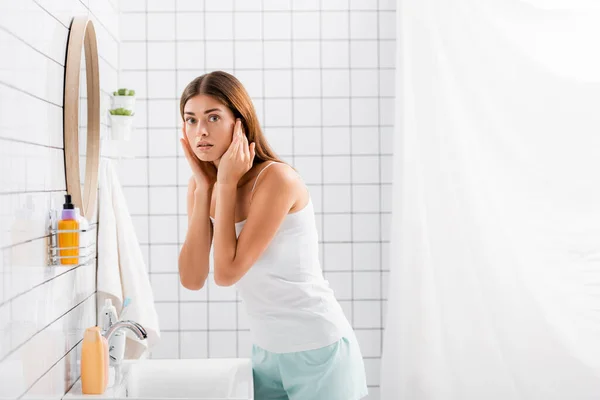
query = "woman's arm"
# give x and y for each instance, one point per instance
(194, 255)
(272, 201)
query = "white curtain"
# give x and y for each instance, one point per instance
(495, 260)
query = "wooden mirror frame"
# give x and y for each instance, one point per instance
(82, 35)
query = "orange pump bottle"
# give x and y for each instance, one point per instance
(94, 362)
(68, 222)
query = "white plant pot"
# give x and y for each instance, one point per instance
(127, 102)
(121, 127)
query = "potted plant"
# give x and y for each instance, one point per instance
(124, 98)
(121, 120)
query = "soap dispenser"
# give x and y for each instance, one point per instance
(68, 235)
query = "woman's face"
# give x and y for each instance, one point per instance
(208, 126)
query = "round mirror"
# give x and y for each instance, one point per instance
(82, 116)
(82, 132)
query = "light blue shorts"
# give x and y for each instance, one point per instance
(334, 372)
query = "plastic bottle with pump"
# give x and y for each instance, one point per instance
(68, 239)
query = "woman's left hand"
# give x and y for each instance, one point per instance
(238, 158)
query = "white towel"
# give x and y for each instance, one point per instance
(121, 269)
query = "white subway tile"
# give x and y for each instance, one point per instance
(218, 5)
(161, 200)
(336, 112)
(373, 371)
(367, 314)
(278, 83)
(306, 54)
(365, 111)
(336, 83)
(281, 140)
(365, 227)
(132, 26)
(365, 198)
(363, 25)
(161, 55)
(387, 25)
(160, 5)
(164, 287)
(307, 112)
(309, 168)
(341, 283)
(163, 229)
(168, 316)
(219, 26)
(277, 54)
(160, 26)
(367, 285)
(219, 55)
(168, 347)
(365, 140)
(244, 344)
(190, 5)
(277, 25)
(222, 316)
(190, 26)
(335, 54)
(253, 83)
(387, 54)
(222, 344)
(336, 169)
(363, 54)
(163, 113)
(338, 256)
(366, 256)
(335, 25)
(194, 344)
(132, 55)
(387, 112)
(307, 83)
(337, 199)
(363, 4)
(306, 25)
(278, 112)
(307, 141)
(164, 259)
(312, 5)
(337, 227)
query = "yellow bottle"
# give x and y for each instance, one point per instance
(94, 362)
(68, 222)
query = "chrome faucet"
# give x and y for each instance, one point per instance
(133, 326)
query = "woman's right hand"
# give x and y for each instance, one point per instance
(205, 173)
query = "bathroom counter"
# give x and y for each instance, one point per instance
(186, 379)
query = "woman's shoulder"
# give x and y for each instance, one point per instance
(277, 177)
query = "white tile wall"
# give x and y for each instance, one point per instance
(43, 310)
(321, 74)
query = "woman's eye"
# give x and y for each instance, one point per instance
(190, 120)
(213, 118)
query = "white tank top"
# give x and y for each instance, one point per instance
(290, 305)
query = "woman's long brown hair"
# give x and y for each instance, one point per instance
(228, 90)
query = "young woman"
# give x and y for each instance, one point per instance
(257, 213)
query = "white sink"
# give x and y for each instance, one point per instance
(195, 379)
